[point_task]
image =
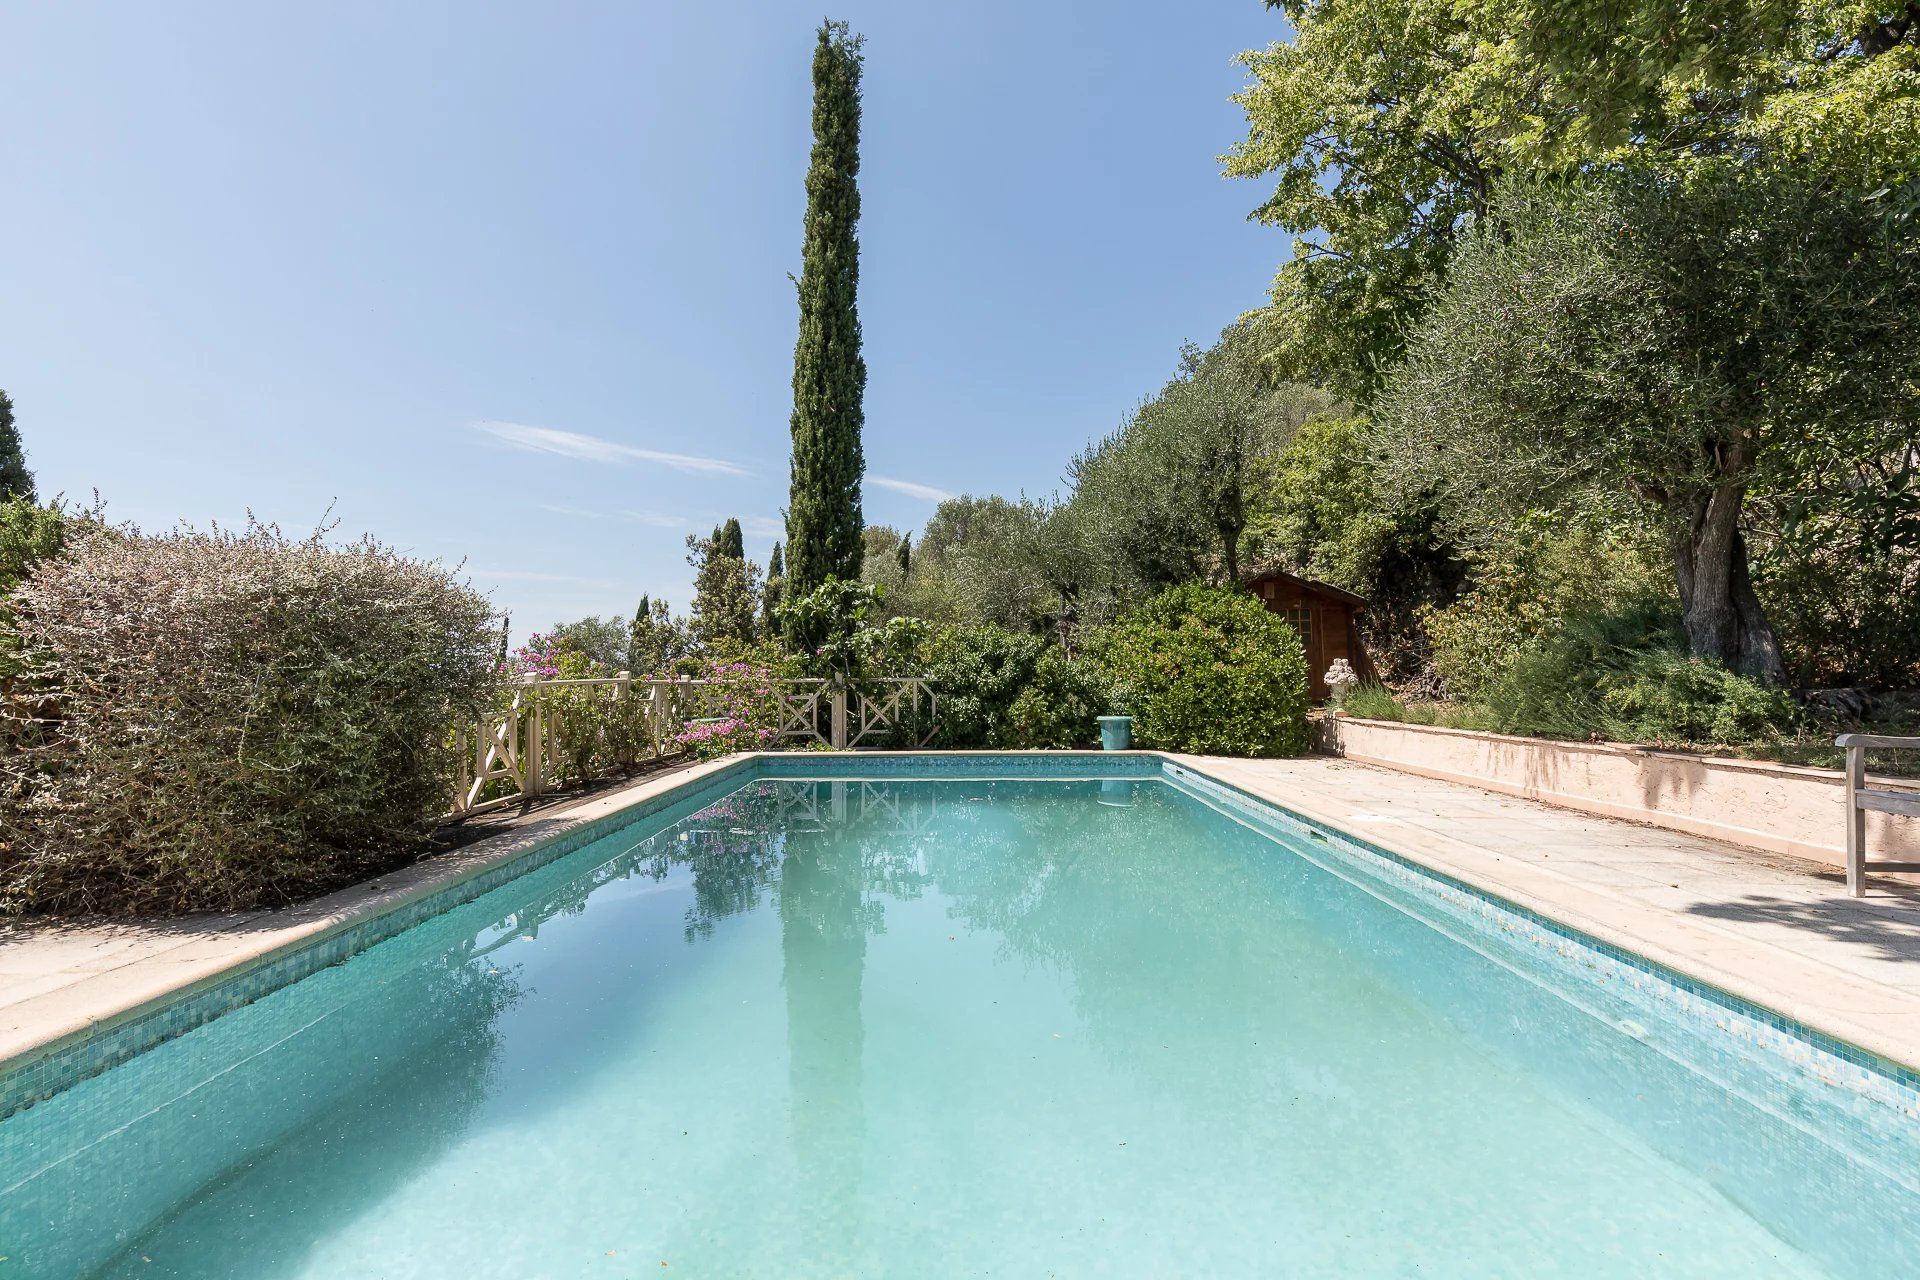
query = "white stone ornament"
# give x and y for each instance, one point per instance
(1341, 677)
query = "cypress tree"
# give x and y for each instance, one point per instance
(829, 377)
(729, 541)
(770, 594)
(905, 554)
(15, 479)
(637, 630)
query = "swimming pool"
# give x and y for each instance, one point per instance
(908, 1017)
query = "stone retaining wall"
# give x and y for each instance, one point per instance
(1780, 808)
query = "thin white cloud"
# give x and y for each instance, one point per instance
(536, 575)
(655, 519)
(572, 444)
(911, 488)
(763, 527)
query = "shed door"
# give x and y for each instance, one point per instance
(1311, 618)
(1329, 642)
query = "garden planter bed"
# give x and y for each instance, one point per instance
(1779, 808)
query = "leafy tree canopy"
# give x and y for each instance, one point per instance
(728, 540)
(726, 592)
(1171, 488)
(1387, 126)
(657, 639)
(603, 641)
(1683, 341)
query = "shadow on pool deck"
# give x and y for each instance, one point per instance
(1887, 924)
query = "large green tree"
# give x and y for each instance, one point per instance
(15, 479)
(829, 375)
(1387, 126)
(1684, 340)
(1172, 486)
(604, 641)
(726, 592)
(657, 639)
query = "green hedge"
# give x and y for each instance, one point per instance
(1211, 671)
(231, 720)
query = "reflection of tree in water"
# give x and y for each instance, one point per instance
(415, 1095)
(839, 860)
(1192, 945)
(732, 849)
(736, 848)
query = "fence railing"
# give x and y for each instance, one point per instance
(556, 731)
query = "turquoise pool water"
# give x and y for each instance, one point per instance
(964, 1028)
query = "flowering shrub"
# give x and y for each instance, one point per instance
(723, 737)
(598, 728)
(741, 708)
(581, 713)
(543, 657)
(231, 720)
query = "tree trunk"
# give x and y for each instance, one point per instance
(1232, 539)
(1723, 617)
(1759, 649)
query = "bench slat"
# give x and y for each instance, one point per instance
(1875, 740)
(1905, 803)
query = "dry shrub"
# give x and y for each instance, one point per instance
(230, 720)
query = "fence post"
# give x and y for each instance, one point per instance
(464, 779)
(839, 739)
(536, 749)
(1856, 821)
(623, 690)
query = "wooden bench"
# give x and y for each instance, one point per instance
(1861, 797)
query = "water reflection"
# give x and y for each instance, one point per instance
(1207, 968)
(825, 916)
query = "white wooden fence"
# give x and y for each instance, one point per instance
(524, 751)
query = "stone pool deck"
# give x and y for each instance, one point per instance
(1775, 930)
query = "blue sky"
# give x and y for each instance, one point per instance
(507, 284)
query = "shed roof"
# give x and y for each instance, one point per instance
(1309, 586)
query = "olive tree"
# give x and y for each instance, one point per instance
(1174, 483)
(1679, 340)
(602, 641)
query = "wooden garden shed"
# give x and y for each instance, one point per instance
(1327, 619)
